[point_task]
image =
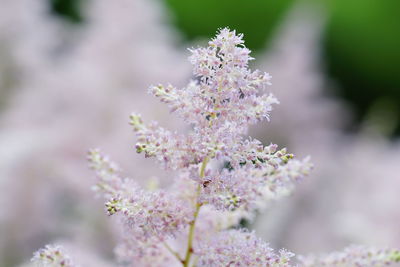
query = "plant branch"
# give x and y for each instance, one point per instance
(189, 250)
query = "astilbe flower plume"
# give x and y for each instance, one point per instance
(149, 218)
(240, 248)
(153, 212)
(219, 105)
(36, 60)
(353, 256)
(222, 175)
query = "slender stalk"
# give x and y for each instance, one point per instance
(189, 250)
(203, 167)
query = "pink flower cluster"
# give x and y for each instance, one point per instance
(353, 256)
(220, 105)
(149, 214)
(52, 256)
(222, 175)
(248, 187)
(241, 248)
(226, 90)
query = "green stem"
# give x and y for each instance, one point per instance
(189, 250)
(203, 167)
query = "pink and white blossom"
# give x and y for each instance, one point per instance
(218, 174)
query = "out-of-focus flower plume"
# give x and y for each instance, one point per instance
(68, 89)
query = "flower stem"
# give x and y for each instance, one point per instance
(203, 167)
(189, 250)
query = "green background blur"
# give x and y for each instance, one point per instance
(361, 43)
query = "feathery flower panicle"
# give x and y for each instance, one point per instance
(353, 256)
(249, 187)
(148, 218)
(190, 222)
(52, 256)
(36, 61)
(241, 248)
(220, 105)
(145, 214)
(226, 92)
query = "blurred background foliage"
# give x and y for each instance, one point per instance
(361, 46)
(255, 18)
(67, 9)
